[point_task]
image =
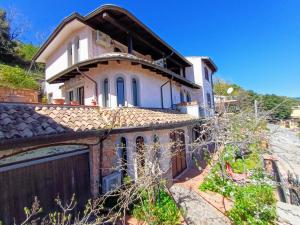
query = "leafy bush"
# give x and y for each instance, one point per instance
(254, 204)
(163, 211)
(15, 77)
(216, 183)
(26, 51)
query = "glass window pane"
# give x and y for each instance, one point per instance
(181, 97)
(120, 92)
(135, 92)
(105, 96)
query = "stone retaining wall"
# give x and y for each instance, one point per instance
(18, 95)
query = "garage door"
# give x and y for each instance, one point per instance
(46, 173)
(178, 152)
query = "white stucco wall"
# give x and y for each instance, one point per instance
(58, 60)
(199, 77)
(149, 84)
(165, 149)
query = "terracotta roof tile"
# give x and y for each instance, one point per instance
(27, 120)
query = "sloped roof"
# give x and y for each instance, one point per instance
(20, 122)
(145, 40)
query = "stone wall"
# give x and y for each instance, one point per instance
(18, 95)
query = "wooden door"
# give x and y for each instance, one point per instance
(178, 152)
(61, 177)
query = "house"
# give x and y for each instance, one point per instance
(119, 86)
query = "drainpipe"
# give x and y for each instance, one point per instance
(96, 85)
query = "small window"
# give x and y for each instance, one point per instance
(183, 72)
(71, 96)
(188, 97)
(76, 49)
(80, 94)
(206, 73)
(181, 96)
(135, 92)
(70, 54)
(105, 93)
(208, 100)
(120, 92)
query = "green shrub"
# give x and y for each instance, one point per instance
(26, 51)
(254, 204)
(15, 77)
(163, 211)
(214, 182)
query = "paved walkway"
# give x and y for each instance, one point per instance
(196, 210)
(286, 146)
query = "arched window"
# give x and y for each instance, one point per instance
(156, 146)
(181, 96)
(188, 97)
(140, 153)
(120, 92)
(123, 156)
(105, 93)
(135, 96)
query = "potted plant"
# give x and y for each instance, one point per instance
(94, 102)
(74, 102)
(58, 101)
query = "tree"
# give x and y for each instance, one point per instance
(6, 44)
(221, 87)
(280, 107)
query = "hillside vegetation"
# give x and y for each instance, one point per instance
(279, 107)
(15, 59)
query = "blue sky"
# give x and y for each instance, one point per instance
(255, 44)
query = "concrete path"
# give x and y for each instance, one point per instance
(196, 210)
(288, 214)
(286, 146)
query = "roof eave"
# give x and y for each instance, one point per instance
(8, 144)
(62, 24)
(210, 63)
(119, 58)
(84, 19)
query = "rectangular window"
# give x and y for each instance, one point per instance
(76, 50)
(71, 96)
(80, 94)
(70, 54)
(208, 100)
(206, 73)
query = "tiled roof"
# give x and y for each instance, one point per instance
(31, 120)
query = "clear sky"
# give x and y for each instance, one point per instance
(255, 44)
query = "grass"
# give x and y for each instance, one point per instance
(16, 77)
